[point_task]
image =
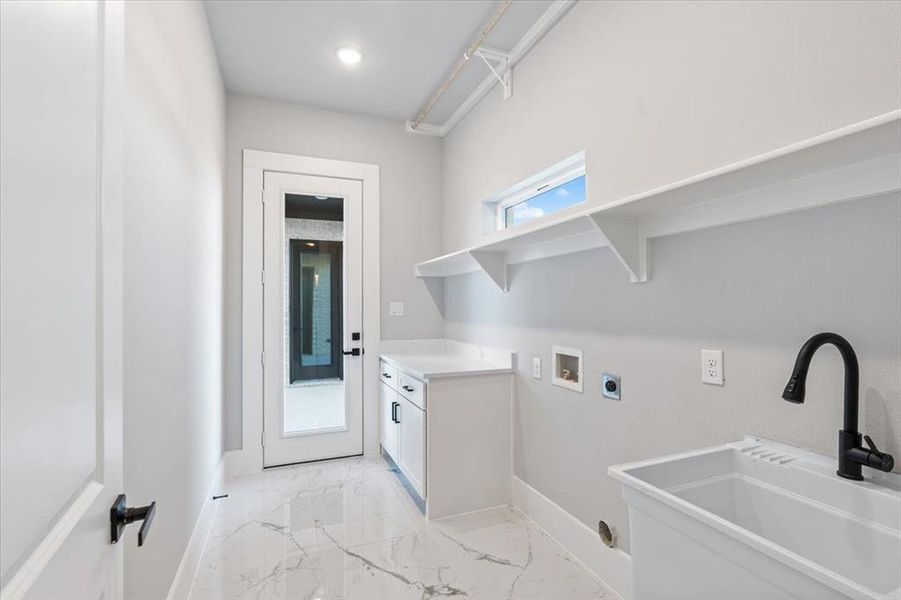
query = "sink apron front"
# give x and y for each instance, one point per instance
(760, 520)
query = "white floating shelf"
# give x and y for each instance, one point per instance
(846, 164)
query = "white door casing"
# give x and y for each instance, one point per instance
(61, 102)
(281, 447)
(249, 459)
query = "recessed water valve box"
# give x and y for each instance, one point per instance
(611, 386)
(567, 365)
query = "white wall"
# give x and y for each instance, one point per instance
(174, 176)
(410, 204)
(655, 92)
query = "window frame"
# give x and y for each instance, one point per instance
(560, 177)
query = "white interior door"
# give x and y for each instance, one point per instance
(60, 298)
(312, 318)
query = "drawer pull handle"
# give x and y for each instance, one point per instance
(408, 388)
(386, 376)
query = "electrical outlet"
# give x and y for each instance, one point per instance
(396, 309)
(611, 386)
(536, 367)
(712, 367)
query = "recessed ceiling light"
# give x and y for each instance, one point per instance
(349, 55)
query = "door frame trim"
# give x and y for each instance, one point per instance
(249, 459)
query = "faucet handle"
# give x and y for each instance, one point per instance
(871, 444)
(876, 459)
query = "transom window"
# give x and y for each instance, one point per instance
(549, 192)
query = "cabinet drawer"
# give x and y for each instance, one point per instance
(388, 374)
(412, 389)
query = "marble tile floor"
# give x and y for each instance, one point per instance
(348, 529)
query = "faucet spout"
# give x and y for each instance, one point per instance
(796, 389)
(851, 454)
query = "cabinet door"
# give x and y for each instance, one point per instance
(412, 444)
(387, 402)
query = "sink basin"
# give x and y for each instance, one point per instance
(759, 519)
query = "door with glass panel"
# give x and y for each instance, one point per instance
(313, 321)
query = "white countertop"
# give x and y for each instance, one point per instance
(427, 359)
(427, 366)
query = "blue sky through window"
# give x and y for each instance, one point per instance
(547, 202)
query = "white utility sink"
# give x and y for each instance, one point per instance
(758, 519)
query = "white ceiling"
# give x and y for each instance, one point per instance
(286, 50)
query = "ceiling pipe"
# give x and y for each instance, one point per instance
(462, 61)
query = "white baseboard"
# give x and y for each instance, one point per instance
(190, 560)
(611, 565)
(240, 462)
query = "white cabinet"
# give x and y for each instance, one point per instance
(449, 432)
(412, 444)
(403, 423)
(389, 426)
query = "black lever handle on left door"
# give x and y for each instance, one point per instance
(352, 352)
(120, 516)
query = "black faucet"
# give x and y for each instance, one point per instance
(851, 455)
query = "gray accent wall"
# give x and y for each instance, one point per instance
(655, 92)
(756, 291)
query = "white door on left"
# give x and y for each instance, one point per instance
(61, 84)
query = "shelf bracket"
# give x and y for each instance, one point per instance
(628, 242)
(504, 74)
(494, 264)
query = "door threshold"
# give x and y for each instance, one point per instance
(306, 462)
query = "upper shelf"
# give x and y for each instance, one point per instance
(853, 162)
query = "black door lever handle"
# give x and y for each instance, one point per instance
(352, 352)
(120, 516)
